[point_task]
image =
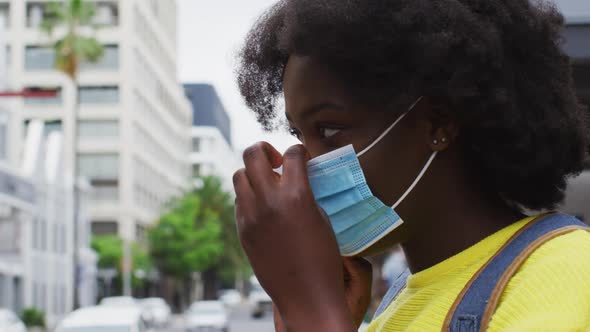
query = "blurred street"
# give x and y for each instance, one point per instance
(240, 321)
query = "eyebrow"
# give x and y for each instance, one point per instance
(316, 108)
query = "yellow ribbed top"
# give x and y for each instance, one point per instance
(550, 291)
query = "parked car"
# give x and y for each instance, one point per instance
(209, 315)
(9, 322)
(230, 297)
(119, 301)
(259, 300)
(158, 309)
(103, 319)
(128, 301)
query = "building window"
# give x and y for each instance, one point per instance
(39, 58)
(43, 58)
(49, 126)
(139, 233)
(4, 121)
(105, 190)
(196, 170)
(196, 144)
(8, 59)
(5, 14)
(105, 228)
(55, 100)
(99, 95)
(109, 59)
(99, 166)
(9, 235)
(98, 129)
(52, 126)
(43, 235)
(36, 13)
(107, 14)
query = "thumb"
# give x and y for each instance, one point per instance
(359, 273)
(295, 164)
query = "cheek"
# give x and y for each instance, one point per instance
(316, 148)
(393, 165)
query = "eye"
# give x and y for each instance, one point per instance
(329, 132)
(295, 132)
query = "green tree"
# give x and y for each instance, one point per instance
(187, 239)
(233, 264)
(110, 256)
(109, 249)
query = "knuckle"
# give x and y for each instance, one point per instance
(297, 198)
(253, 151)
(267, 212)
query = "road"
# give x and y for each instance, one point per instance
(240, 321)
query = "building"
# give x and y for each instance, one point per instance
(212, 152)
(208, 111)
(577, 45)
(133, 124)
(37, 231)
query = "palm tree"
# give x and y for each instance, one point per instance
(71, 49)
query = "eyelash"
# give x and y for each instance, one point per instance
(297, 134)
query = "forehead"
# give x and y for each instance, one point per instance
(307, 82)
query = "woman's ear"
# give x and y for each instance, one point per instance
(444, 127)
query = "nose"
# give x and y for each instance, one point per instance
(315, 149)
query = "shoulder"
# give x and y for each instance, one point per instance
(551, 289)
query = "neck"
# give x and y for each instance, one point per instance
(454, 220)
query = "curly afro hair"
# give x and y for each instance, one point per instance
(496, 65)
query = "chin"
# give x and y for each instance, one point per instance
(385, 244)
(374, 250)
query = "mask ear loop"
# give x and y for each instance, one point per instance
(422, 172)
(389, 128)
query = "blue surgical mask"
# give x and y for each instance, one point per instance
(359, 219)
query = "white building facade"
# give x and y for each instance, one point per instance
(37, 230)
(133, 121)
(212, 155)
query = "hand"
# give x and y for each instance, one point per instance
(358, 277)
(289, 241)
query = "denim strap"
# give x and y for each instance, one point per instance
(398, 285)
(472, 303)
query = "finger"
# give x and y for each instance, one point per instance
(260, 159)
(359, 273)
(278, 320)
(244, 192)
(295, 164)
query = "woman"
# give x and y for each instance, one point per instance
(434, 124)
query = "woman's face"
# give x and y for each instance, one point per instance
(325, 115)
